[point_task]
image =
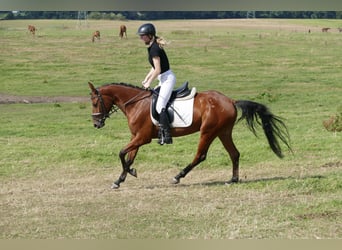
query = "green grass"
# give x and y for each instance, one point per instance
(56, 169)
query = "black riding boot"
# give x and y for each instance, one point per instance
(164, 130)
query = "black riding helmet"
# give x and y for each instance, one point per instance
(147, 29)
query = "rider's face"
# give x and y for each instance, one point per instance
(146, 39)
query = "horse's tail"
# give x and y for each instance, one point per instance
(272, 125)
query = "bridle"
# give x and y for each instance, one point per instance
(103, 114)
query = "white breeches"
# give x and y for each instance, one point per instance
(167, 81)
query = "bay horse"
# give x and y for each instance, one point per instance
(32, 29)
(123, 31)
(214, 115)
(96, 35)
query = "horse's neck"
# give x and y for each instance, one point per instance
(124, 95)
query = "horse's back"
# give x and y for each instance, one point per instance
(214, 106)
(215, 98)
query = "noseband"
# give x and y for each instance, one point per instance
(103, 114)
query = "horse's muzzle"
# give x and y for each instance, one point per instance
(98, 125)
(98, 120)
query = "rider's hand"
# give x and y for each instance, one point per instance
(145, 84)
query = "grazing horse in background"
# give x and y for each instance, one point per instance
(32, 29)
(123, 32)
(325, 29)
(339, 29)
(214, 115)
(96, 35)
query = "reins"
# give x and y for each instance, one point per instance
(135, 98)
(115, 108)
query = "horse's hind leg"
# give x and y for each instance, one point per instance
(201, 155)
(227, 141)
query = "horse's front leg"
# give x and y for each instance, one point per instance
(126, 163)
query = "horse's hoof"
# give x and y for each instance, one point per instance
(133, 172)
(175, 181)
(115, 186)
(232, 181)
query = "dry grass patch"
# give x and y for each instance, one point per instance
(67, 203)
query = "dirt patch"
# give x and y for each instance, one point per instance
(325, 214)
(11, 99)
(337, 164)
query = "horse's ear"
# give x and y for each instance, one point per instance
(91, 86)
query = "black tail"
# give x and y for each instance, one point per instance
(273, 126)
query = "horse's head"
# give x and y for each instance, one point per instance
(102, 106)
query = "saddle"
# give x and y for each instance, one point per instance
(181, 92)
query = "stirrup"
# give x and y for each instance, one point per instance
(160, 137)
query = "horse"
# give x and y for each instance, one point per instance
(123, 32)
(214, 115)
(339, 29)
(96, 35)
(325, 29)
(32, 29)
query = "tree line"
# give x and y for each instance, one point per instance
(157, 15)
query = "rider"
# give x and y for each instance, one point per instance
(160, 69)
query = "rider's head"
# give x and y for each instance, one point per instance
(147, 30)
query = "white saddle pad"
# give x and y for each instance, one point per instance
(183, 111)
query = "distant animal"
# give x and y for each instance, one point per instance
(123, 32)
(339, 29)
(32, 29)
(325, 29)
(96, 35)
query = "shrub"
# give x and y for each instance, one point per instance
(334, 123)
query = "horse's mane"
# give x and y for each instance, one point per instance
(123, 84)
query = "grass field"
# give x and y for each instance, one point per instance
(56, 169)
